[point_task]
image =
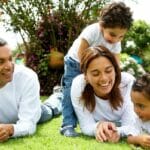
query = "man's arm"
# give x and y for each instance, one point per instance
(6, 131)
(29, 108)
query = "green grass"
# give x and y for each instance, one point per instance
(48, 137)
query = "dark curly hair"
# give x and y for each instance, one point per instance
(87, 97)
(142, 84)
(116, 15)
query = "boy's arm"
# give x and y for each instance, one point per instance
(142, 140)
(83, 45)
(133, 139)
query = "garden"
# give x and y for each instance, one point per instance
(48, 29)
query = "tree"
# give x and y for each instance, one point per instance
(44, 25)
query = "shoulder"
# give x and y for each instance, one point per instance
(21, 71)
(92, 27)
(126, 85)
(126, 78)
(78, 84)
(79, 80)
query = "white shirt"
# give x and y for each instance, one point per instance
(20, 103)
(103, 111)
(140, 127)
(93, 35)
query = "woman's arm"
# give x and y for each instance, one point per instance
(85, 117)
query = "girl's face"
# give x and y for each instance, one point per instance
(141, 105)
(101, 76)
(113, 35)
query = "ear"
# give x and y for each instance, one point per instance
(86, 78)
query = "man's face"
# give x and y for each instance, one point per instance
(6, 65)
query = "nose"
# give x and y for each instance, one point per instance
(137, 110)
(103, 77)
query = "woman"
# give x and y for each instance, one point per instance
(101, 96)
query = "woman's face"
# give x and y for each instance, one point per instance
(101, 76)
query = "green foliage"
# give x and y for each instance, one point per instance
(137, 41)
(128, 64)
(47, 24)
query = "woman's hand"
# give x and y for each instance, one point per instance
(106, 131)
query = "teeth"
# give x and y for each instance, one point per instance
(104, 84)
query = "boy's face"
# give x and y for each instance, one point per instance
(6, 65)
(141, 105)
(113, 35)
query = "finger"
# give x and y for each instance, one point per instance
(99, 139)
(107, 130)
(4, 138)
(102, 133)
(112, 126)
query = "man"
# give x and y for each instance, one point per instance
(20, 106)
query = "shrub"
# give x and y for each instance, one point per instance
(48, 24)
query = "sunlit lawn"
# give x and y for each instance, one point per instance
(48, 137)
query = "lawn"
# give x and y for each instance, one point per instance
(48, 137)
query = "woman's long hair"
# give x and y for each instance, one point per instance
(87, 96)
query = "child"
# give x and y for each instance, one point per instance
(115, 20)
(141, 99)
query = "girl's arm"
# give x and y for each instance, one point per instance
(83, 45)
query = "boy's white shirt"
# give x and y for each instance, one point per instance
(93, 35)
(140, 127)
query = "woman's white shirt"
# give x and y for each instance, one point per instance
(103, 111)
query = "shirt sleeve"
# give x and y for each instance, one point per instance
(29, 110)
(116, 48)
(86, 121)
(128, 115)
(90, 33)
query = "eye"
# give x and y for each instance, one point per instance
(95, 73)
(1, 61)
(140, 106)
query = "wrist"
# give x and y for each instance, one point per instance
(10, 129)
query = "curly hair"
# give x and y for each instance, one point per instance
(87, 96)
(142, 84)
(116, 15)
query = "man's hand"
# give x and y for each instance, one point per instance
(6, 131)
